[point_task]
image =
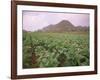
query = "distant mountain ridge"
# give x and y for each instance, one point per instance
(63, 26)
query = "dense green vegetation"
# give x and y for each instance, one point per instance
(44, 49)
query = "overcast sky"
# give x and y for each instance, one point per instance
(37, 20)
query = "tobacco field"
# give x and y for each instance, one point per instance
(45, 49)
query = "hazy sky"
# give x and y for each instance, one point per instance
(37, 20)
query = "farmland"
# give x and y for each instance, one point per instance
(46, 49)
